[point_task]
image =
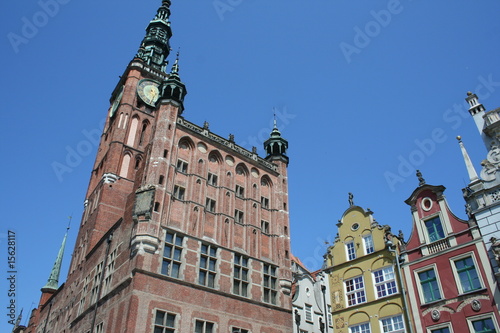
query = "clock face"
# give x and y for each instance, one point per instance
(148, 91)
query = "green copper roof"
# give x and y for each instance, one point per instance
(53, 282)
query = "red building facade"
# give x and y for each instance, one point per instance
(183, 230)
(446, 269)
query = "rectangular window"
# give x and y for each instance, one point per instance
(330, 321)
(240, 279)
(110, 269)
(172, 255)
(393, 324)
(99, 328)
(429, 285)
(210, 205)
(239, 330)
(434, 229)
(97, 281)
(179, 192)
(240, 191)
(467, 273)
(484, 325)
(355, 291)
(361, 328)
(208, 264)
(351, 250)
(203, 327)
(264, 225)
(212, 179)
(182, 166)
(385, 282)
(441, 330)
(368, 243)
(270, 283)
(264, 202)
(164, 322)
(309, 314)
(238, 216)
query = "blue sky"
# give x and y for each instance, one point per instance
(365, 93)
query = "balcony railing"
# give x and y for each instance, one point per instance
(438, 246)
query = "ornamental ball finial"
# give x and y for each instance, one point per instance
(459, 138)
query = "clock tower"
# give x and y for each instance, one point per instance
(182, 230)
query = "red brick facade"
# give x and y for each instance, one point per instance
(181, 228)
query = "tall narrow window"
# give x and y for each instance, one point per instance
(210, 205)
(172, 255)
(264, 202)
(240, 191)
(264, 225)
(355, 291)
(434, 229)
(99, 328)
(238, 216)
(179, 192)
(96, 282)
(110, 269)
(393, 324)
(270, 283)
(208, 263)
(132, 132)
(429, 286)
(368, 243)
(385, 283)
(212, 179)
(309, 313)
(164, 322)
(125, 166)
(240, 279)
(467, 273)
(204, 327)
(182, 166)
(143, 132)
(351, 250)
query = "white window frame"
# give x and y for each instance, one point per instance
(385, 281)
(365, 238)
(440, 326)
(457, 277)
(350, 256)
(163, 325)
(419, 285)
(489, 315)
(355, 291)
(358, 325)
(308, 310)
(403, 330)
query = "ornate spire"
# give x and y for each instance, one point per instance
(276, 146)
(173, 88)
(468, 163)
(155, 47)
(53, 281)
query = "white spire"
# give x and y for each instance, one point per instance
(473, 177)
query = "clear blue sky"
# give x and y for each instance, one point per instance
(359, 87)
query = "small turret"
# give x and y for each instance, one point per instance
(173, 88)
(276, 146)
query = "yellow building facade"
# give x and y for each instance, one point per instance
(366, 293)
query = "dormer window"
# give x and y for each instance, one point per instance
(434, 229)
